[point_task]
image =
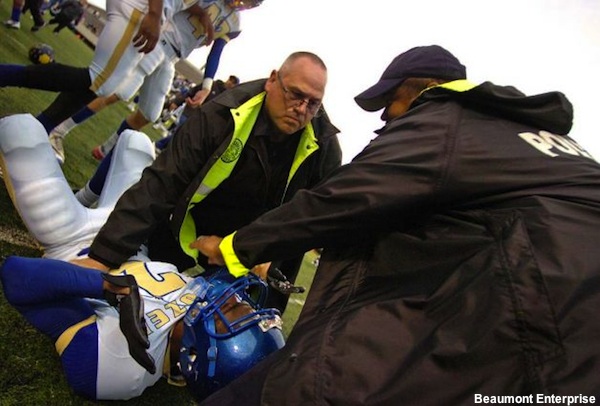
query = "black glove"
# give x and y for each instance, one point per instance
(131, 319)
(278, 281)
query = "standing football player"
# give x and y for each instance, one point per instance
(132, 29)
(179, 38)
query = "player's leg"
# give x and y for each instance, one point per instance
(132, 154)
(15, 15)
(54, 77)
(64, 106)
(115, 55)
(122, 167)
(137, 76)
(151, 97)
(58, 134)
(41, 282)
(136, 79)
(40, 192)
(93, 107)
(50, 295)
(154, 90)
(36, 13)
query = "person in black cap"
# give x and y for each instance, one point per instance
(460, 257)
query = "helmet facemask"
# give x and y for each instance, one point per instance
(226, 332)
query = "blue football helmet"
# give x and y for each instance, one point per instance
(226, 331)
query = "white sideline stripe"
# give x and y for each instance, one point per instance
(297, 301)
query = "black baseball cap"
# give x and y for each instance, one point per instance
(430, 61)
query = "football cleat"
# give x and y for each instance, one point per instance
(97, 153)
(12, 24)
(38, 27)
(57, 146)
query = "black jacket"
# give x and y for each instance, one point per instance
(460, 258)
(158, 202)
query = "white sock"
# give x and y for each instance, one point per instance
(86, 197)
(109, 143)
(63, 128)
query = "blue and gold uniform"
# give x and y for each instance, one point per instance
(65, 302)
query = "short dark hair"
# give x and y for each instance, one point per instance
(304, 54)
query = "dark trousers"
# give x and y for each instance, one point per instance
(60, 23)
(35, 6)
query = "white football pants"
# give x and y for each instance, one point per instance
(44, 199)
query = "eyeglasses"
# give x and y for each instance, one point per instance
(313, 106)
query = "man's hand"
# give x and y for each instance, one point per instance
(209, 247)
(261, 270)
(147, 36)
(198, 98)
(90, 263)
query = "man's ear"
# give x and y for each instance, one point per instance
(271, 81)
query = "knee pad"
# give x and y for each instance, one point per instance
(137, 141)
(20, 131)
(132, 154)
(36, 183)
(25, 149)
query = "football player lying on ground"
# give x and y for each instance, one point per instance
(188, 320)
(112, 331)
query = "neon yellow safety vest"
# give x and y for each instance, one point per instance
(244, 118)
(460, 85)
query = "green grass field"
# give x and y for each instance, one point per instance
(30, 371)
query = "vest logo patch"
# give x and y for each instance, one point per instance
(233, 151)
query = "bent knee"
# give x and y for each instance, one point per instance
(21, 131)
(137, 141)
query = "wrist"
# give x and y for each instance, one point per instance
(207, 83)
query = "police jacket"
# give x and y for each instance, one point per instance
(217, 135)
(460, 259)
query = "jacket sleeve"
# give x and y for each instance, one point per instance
(155, 196)
(396, 178)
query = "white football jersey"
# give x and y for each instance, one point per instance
(185, 33)
(171, 7)
(166, 300)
